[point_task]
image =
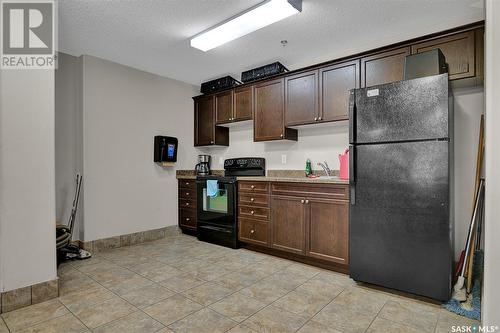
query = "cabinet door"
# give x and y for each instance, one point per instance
(243, 103)
(224, 107)
(383, 67)
(288, 224)
(334, 85)
(458, 51)
(301, 96)
(204, 121)
(268, 112)
(328, 230)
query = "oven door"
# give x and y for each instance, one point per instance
(221, 208)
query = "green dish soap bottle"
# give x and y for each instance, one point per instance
(308, 168)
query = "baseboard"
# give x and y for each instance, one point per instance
(115, 242)
(34, 294)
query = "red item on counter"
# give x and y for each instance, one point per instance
(344, 164)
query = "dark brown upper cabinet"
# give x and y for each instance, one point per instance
(301, 98)
(205, 131)
(385, 67)
(243, 103)
(269, 107)
(459, 52)
(224, 107)
(335, 82)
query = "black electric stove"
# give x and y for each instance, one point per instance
(218, 215)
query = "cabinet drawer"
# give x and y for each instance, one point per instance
(328, 191)
(251, 199)
(254, 187)
(187, 184)
(187, 218)
(252, 231)
(188, 194)
(187, 204)
(253, 212)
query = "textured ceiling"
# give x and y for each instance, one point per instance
(153, 35)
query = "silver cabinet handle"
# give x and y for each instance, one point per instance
(211, 142)
(281, 135)
(252, 212)
(252, 231)
(187, 183)
(252, 187)
(187, 203)
(307, 201)
(302, 201)
(187, 219)
(315, 118)
(319, 118)
(187, 193)
(252, 199)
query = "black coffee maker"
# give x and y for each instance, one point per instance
(203, 166)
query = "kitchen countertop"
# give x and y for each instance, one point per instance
(293, 176)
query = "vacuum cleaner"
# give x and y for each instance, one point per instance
(64, 233)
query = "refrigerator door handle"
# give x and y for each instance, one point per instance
(352, 116)
(352, 174)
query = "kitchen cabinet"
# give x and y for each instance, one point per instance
(253, 231)
(243, 103)
(301, 98)
(383, 67)
(335, 82)
(187, 204)
(288, 224)
(328, 230)
(206, 133)
(459, 52)
(268, 117)
(224, 107)
(253, 212)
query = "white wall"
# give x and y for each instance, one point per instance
(27, 194)
(69, 138)
(123, 109)
(491, 291)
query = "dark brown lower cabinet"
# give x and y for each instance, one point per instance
(288, 224)
(187, 204)
(327, 230)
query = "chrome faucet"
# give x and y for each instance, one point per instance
(325, 167)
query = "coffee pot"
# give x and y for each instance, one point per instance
(203, 166)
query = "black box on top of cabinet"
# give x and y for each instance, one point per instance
(263, 72)
(216, 85)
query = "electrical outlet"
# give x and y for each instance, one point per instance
(221, 161)
(283, 159)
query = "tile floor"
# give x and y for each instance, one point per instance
(178, 284)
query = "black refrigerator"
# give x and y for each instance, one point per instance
(401, 186)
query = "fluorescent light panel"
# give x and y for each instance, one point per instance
(258, 17)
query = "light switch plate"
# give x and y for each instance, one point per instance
(221, 161)
(283, 159)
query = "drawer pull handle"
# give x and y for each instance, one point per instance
(187, 183)
(252, 199)
(252, 187)
(252, 212)
(188, 219)
(302, 201)
(187, 193)
(315, 118)
(187, 203)
(252, 231)
(307, 201)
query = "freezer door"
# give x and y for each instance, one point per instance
(400, 111)
(400, 230)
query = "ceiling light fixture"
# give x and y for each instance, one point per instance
(264, 14)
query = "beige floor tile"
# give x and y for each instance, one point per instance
(86, 298)
(147, 295)
(64, 324)
(165, 330)
(285, 280)
(273, 319)
(302, 303)
(76, 284)
(182, 282)
(315, 327)
(448, 319)
(238, 307)
(211, 272)
(411, 313)
(87, 262)
(203, 321)
(238, 280)
(361, 300)
(241, 329)
(3, 327)
(99, 314)
(186, 264)
(172, 309)
(31, 315)
(335, 278)
(381, 325)
(303, 270)
(113, 277)
(135, 322)
(207, 293)
(321, 288)
(265, 292)
(161, 273)
(344, 319)
(129, 284)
